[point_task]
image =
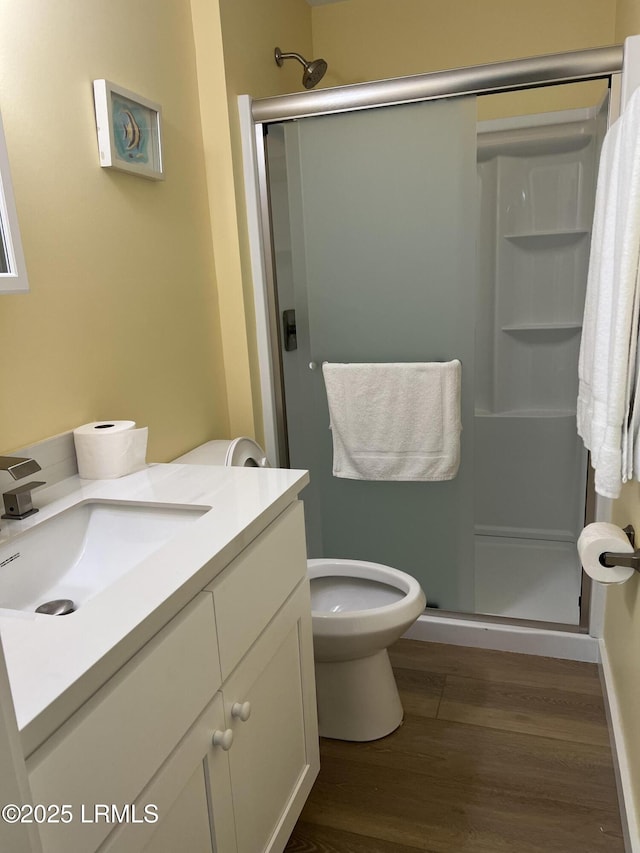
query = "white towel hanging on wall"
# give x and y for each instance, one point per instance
(608, 349)
(398, 421)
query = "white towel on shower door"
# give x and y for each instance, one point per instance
(395, 421)
(608, 349)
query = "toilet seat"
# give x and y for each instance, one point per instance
(374, 614)
(345, 634)
(338, 593)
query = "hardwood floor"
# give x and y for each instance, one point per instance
(498, 753)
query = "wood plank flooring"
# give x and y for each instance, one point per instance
(498, 753)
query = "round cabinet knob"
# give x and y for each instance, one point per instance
(223, 739)
(241, 711)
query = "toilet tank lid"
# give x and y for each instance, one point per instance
(229, 452)
(210, 453)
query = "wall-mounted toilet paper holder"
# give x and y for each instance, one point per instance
(630, 561)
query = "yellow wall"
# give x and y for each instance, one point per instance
(371, 39)
(622, 640)
(122, 317)
(374, 39)
(622, 614)
(627, 19)
(250, 30)
(224, 217)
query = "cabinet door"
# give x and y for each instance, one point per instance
(257, 583)
(107, 752)
(274, 757)
(190, 795)
(186, 824)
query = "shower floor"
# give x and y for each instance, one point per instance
(527, 579)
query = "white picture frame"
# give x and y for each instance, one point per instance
(129, 130)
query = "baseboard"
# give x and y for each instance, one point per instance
(506, 638)
(628, 812)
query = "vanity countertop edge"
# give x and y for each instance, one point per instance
(55, 664)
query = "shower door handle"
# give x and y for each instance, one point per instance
(289, 329)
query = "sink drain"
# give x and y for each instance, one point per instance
(58, 607)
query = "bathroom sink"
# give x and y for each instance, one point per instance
(82, 550)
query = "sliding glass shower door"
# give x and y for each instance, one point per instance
(374, 223)
(416, 233)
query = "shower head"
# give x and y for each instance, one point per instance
(314, 71)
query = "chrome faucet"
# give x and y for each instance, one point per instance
(19, 466)
(18, 501)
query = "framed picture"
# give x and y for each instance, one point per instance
(129, 131)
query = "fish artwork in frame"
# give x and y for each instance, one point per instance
(129, 131)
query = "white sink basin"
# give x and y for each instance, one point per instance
(77, 553)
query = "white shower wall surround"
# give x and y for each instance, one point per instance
(536, 177)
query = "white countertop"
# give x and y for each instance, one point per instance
(56, 663)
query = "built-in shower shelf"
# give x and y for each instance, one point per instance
(531, 141)
(527, 413)
(549, 232)
(545, 239)
(534, 328)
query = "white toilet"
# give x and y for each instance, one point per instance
(358, 610)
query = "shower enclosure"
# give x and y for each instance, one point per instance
(414, 232)
(537, 178)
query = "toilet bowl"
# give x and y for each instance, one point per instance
(240, 452)
(358, 610)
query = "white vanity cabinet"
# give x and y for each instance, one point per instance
(209, 733)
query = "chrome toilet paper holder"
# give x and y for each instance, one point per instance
(629, 561)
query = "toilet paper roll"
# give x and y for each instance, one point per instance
(109, 449)
(594, 540)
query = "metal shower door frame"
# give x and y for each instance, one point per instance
(530, 73)
(255, 115)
